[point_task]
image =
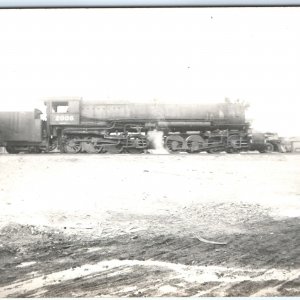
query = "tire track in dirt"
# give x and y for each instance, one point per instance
(120, 274)
(142, 265)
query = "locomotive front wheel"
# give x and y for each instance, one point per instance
(72, 147)
(268, 148)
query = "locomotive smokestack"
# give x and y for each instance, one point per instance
(156, 142)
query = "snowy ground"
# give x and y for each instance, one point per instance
(149, 225)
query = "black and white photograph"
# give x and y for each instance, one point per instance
(150, 152)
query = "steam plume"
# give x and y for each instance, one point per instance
(156, 142)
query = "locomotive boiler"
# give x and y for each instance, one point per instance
(74, 126)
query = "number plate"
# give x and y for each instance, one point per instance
(62, 119)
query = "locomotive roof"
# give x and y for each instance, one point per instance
(124, 102)
(114, 102)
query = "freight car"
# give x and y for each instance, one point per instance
(74, 126)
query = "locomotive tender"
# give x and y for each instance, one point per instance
(74, 126)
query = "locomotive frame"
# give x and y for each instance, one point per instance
(74, 126)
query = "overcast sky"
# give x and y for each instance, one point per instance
(171, 55)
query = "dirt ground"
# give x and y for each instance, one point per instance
(149, 225)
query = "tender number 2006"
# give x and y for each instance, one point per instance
(64, 118)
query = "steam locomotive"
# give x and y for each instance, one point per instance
(74, 126)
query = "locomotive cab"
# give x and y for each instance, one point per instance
(61, 113)
(65, 112)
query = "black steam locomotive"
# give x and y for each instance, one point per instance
(74, 126)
